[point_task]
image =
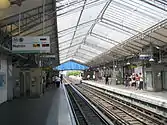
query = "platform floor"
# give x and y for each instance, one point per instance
(157, 98)
(50, 109)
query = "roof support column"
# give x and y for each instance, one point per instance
(56, 51)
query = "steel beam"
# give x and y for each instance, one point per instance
(70, 46)
(85, 54)
(138, 32)
(37, 30)
(85, 23)
(98, 17)
(89, 51)
(71, 39)
(101, 38)
(82, 56)
(95, 46)
(107, 39)
(32, 26)
(64, 56)
(56, 33)
(15, 18)
(96, 20)
(160, 34)
(78, 22)
(117, 27)
(114, 28)
(80, 7)
(145, 1)
(64, 53)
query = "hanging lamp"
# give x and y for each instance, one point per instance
(128, 63)
(151, 51)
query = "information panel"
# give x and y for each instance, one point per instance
(39, 44)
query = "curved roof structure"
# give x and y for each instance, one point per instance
(92, 32)
(98, 31)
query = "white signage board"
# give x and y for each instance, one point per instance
(39, 44)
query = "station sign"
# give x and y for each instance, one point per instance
(39, 44)
(144, 57)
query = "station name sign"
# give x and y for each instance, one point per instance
(144, 57)
(39, 44)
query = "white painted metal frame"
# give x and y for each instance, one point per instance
(120, 28)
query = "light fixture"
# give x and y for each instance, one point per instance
(160, 56)
(4, 4)
(151, 60)
(157, 47)
(151, 51)
(128, 63)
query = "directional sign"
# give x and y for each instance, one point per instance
(39, 44)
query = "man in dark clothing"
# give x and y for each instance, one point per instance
(106, 79)
(57, 82)
(61, 78)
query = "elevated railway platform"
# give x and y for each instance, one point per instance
(50, 109)
(155, 101)
(157, 98)
(118, 109)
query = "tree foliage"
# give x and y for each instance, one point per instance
(73, 73)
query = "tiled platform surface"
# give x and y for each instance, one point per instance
(156, 98)
(50, 109)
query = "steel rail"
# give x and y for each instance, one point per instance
(84, 112)
(122, 111)
(142, 117)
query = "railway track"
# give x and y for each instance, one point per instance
(120, 112)
(84, 113)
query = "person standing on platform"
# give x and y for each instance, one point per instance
(106, 80)
(61, 78)
(53, 81)
(137, 81)
(94, 78)
(141, 81)
(126, 80)
(133, 82)
(88, 77)
(57, 82)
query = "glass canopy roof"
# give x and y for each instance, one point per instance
(88, 28)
